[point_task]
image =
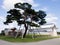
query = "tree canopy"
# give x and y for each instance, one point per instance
(28, 13)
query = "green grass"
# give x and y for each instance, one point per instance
(27, 39)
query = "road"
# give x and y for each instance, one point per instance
(45, 42)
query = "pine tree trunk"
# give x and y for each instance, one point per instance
(26, 28)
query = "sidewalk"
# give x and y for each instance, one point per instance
(45, 42)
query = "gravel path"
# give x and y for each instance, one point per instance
(45, 42)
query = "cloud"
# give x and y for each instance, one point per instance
(51, 18)
(2, 18)
(9, 4)
(44, 9)
(11, 25)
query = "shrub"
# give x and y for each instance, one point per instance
(2, 32)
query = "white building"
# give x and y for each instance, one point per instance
(47, 29)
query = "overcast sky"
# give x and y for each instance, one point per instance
(51, 7)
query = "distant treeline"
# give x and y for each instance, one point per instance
(58, 32)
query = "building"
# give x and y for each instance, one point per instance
(47, 29)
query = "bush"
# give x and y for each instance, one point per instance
(2, 32)
(58, 32)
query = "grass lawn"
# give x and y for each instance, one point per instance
(27, 39)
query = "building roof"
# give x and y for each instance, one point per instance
(49, 26)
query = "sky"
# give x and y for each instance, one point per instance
(51, 7)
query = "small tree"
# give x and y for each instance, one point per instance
(22, 18)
